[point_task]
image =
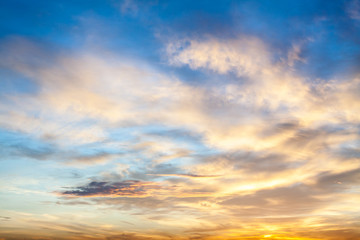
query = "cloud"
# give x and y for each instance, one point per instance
(80, 96)
(265, 141)
(21, 148)
(275, 120)
(2, 218)
(116, 189)
(292, 200)
(83, 97)
(184, 175)
(245, 56)
(294, 55)
(129, 7)
(68, 226)
(339, 181)
(353, 9)
(73, 203)
(90, 159)
(41, 149)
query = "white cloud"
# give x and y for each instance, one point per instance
(81, 98)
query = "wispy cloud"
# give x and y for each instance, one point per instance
(353, 9)
(185, 175)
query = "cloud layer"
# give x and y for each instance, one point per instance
(211, 136)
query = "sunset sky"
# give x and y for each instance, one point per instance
(180, 119)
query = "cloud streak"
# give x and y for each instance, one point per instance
(129, 188)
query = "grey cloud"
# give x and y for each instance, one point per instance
(305, 138)
(73, 203)
(296, 199)
(353, 9)
(255, 162)
(170, 170)
(278, 128)
(186, 175)
(348, 153)
(133, 203)
(260, 162)
(148, 206)
(338, 181)
(98, 157)
(176, 134)
(44, 150)
(313, 138)
(22, 149)
(25, 54)
(2, 218)
(124, 188)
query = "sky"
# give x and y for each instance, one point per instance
(181, 120)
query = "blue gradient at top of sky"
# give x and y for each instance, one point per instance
(129, 30)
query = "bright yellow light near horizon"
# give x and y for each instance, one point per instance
(271, 236)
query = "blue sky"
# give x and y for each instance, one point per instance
(179, 119)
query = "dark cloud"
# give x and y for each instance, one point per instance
(2, 218)
(120, 189)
